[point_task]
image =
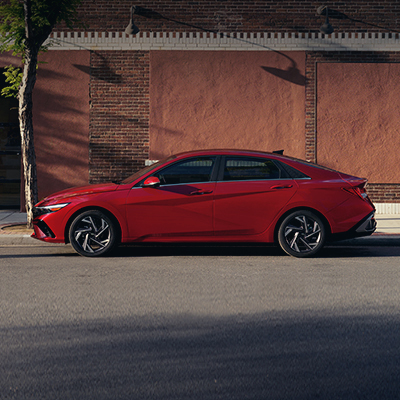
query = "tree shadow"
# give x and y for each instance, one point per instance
(276, 355)
(103, 72)
(61, 123)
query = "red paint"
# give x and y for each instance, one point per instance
(247, 201)
(215, 209)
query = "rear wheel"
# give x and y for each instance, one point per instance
(93, 233)
(302, 234)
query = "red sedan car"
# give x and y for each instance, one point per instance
(212, 196)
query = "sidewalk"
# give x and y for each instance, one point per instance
(12, 217)
(388, 228)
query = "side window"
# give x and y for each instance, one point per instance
(248, 168)
(193, 170)
(293, 172)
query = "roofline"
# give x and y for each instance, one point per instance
(227, 151)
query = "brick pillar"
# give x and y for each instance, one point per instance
(119, 114)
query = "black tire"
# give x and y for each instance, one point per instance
(302, 234)
(93, 234)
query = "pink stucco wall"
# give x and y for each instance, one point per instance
(223, 99)
(358, 119)
(61, 120)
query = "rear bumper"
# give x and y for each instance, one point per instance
(365, 227)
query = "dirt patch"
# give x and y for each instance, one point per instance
(16, 230)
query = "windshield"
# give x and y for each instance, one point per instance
(145, 170)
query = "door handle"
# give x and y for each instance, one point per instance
(281, 187)
(200, 192)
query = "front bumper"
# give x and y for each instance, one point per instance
(43, 232)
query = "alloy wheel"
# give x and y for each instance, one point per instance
(302, 234)
(92, 233)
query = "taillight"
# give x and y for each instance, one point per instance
(357, 188)
(358, 191)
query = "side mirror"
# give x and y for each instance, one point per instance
(151, 182)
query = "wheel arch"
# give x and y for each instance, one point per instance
(89, 208)
(313, 210)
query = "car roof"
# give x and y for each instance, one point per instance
(302, 165)
(240, 152)
(227, 152)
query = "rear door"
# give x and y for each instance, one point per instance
(249, 193)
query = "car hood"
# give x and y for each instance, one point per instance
(79, 191)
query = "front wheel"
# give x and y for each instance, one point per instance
(92, 234)
(302, 234)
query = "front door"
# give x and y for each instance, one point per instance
(181, 207)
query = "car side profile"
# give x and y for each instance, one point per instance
(212, 196)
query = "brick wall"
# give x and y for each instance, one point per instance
(119, 88)
(119, 114)
(242, 16)
(384, 193)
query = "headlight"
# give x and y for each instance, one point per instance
(48, 209)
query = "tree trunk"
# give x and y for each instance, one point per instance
(26, 129)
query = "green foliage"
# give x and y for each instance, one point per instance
(19, 32)
(12, 27)
(45, 14)
(13, 78)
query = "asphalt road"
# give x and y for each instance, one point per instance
(200, 323)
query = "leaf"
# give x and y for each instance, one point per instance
(13, 78)
(44, 15)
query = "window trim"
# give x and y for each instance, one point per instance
(213, 174)
(223, 164)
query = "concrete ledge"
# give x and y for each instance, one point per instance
(375, 239)
(240, 41)
(23, 240)
(387, 208)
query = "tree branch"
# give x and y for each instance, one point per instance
(28, 20)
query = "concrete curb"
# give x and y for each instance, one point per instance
(377, 239)
(388, 233)
(22, 240)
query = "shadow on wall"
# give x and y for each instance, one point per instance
(61, 133)
(292, 74)
(103, 73)
(268, 356)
